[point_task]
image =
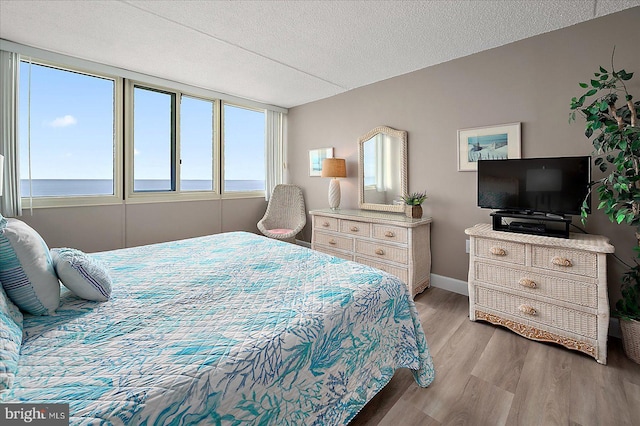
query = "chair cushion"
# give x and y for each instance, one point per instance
(280, 231)
(26, 269)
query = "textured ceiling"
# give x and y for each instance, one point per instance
(284, 53)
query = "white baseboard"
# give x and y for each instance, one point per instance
(450, 284)
(303, 243)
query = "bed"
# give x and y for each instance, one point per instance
(230, 328)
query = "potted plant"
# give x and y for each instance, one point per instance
(413, 204)
(612, 126)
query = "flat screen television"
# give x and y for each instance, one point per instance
(555, 185)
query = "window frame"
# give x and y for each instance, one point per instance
(88, 200)
(173, 125)
(217, 193)
(124, 81)
(135, 197)
(239, 194)
(215, 152)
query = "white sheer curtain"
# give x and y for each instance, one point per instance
(274, 151)
(10, 202)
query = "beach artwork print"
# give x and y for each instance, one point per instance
(315, 160)
(489, 147)
(487, 143)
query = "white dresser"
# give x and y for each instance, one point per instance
(543, 288)
(391, 242)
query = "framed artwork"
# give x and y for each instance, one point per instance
(487, 143)
(315, 160)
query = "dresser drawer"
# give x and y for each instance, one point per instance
(355, 228)
(336, 253)
(506, 251)
(565, 260)
(401, 273)
(335, 241)
(382, 251)
(390, 233)
(327, 223)
(583, 293)
(582, 323)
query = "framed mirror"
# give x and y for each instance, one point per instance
(382, 169)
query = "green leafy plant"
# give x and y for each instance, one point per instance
(415, 198)
(611, 125)
(628, 307)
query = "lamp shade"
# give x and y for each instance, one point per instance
(1, 173)
(334, 168)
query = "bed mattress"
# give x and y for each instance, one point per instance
(231, 328)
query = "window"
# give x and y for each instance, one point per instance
(67, 133)
(196, 144)
(75, 125)
(153, 140)
(161, 131)
(244, 149)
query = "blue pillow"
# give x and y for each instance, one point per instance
(82, 274)
(26, 269)
(10, 340)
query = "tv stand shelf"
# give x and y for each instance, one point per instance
(534, 224)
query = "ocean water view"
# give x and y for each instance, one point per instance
(83, 187)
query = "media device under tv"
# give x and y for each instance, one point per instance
(542, 191)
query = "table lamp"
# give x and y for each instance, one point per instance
(334, 168)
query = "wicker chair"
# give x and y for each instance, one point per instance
(285, 215)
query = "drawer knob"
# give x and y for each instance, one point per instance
(380, 252)
(526, 282)
(528, 310)
(332, 242)
(389, 234)
(325, 224)
(561, 261)
(497, 251)
(354, 229)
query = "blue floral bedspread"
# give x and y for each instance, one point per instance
(224, 329)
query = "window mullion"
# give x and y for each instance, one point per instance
(176, 100)
(217, 148)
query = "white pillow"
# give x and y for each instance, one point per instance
(26, 269)
(82, 274)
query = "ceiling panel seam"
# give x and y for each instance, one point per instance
(234, 45)
(112, 70)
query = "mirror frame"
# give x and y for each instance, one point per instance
(402, 136)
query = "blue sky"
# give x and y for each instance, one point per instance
(71, 125)
(72, 131)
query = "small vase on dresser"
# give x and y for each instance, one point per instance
(391, 242)
(413, 212)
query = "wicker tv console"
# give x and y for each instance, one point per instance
(543, 288)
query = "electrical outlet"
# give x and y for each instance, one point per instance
(468, 246)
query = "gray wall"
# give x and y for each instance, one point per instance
(531, 81)
(102, 228)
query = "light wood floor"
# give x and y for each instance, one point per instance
(487, 375)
